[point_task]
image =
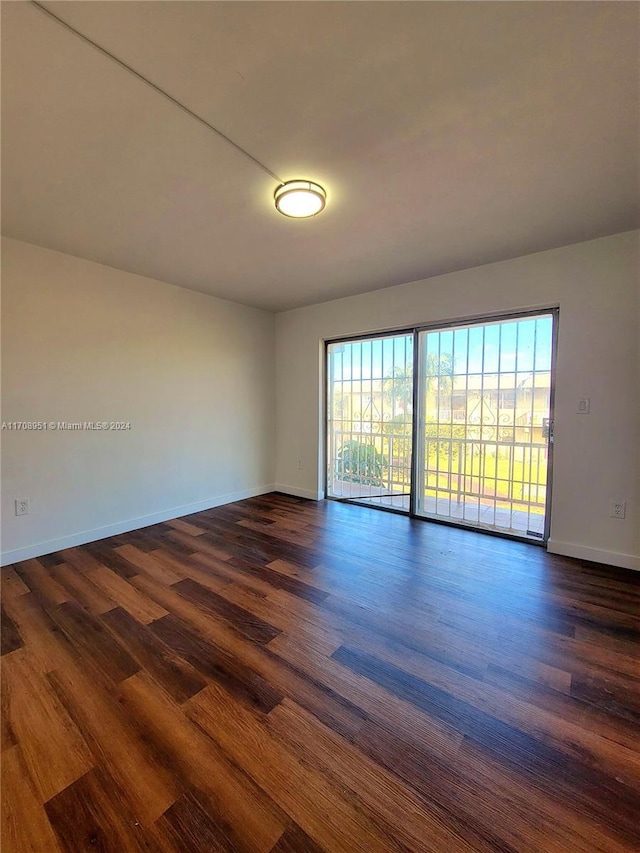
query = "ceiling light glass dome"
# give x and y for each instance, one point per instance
(300, 199)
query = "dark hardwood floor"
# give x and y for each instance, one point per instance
(283, 675)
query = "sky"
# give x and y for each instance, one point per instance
(515, 345)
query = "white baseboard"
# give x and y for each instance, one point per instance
(594, 555)
(300, 493)
(37, 550)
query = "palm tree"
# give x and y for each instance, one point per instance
(439, 371)
(398, 393)
(398, 389)
(398, 386)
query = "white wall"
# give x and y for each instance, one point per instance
(597, 456)
(83, 342)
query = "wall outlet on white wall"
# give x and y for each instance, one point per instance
(618, 509)
(300, 465)
(23, 506)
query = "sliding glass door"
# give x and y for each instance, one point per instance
(370, 420)
(479, 453)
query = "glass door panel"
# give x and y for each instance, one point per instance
(370, 420)
(484, 394)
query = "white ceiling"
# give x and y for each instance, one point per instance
(447, 135)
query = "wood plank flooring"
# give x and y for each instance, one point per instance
(290, 676)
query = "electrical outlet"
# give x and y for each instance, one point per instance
(618, 509)
(300, 465)
(23, 506)
(584, 405)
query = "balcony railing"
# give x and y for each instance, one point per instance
(507, 473)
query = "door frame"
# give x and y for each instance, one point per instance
(415, 330)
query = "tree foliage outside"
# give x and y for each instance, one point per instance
(398, 435)
(361, 462)
(398, 385)
(444, 439)
(439, 371)
(398, 390)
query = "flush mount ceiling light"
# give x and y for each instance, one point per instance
(300, 199)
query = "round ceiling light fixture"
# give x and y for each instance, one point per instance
(300, 199)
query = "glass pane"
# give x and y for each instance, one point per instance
(485, 407)
(370, 420)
